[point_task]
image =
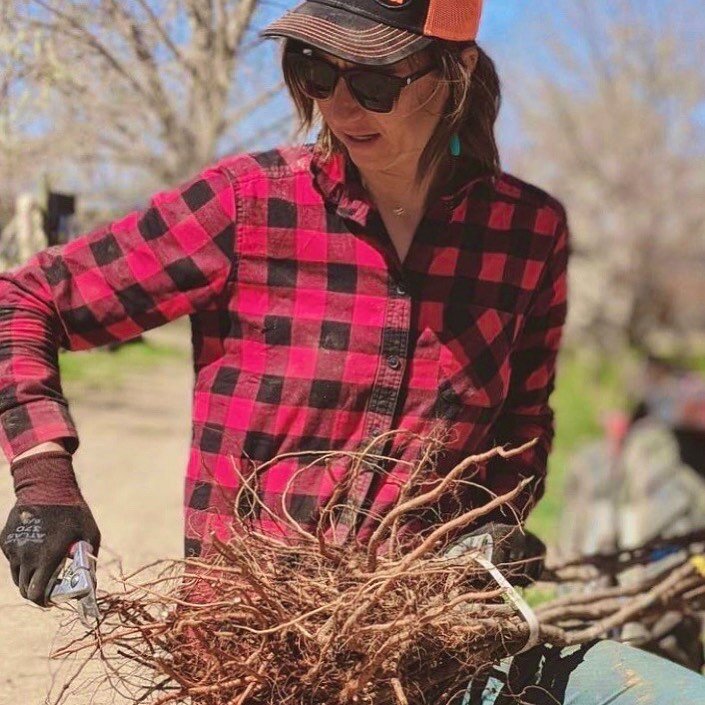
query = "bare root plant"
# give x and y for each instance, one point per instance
(316, 619)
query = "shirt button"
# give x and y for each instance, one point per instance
(375, 431)
(394, 362)
(401, 290)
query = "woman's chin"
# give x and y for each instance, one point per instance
(371, 158)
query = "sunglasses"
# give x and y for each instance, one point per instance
(374, 90)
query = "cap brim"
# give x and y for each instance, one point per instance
(346, 35)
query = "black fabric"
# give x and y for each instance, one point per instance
(361, 22)
(37, 539)
(409, 14)
(59, 207)
(691, 444)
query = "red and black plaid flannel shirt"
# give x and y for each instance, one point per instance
(308, 332)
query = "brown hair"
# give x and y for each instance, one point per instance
(471, 112)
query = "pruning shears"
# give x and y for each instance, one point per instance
(75, 580)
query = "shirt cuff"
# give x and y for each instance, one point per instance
(32, 423)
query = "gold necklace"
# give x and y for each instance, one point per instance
(399, 211)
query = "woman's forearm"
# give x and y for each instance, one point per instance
(41, 448)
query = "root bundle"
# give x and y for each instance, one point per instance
(318, 620)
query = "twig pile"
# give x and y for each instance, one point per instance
(609, 590)
(583, 616)
(314, 621)
(613, 564)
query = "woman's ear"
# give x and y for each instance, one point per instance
(470, 56)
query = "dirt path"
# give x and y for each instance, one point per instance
(134, 447)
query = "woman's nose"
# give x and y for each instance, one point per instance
(343, 100)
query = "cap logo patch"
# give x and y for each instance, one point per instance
(394, 4)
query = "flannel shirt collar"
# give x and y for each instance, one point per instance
(338, 180)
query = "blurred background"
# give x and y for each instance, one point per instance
(104, 102)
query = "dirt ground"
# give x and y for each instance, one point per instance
(131, 463)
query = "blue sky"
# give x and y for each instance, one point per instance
(501, 19)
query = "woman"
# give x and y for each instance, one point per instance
(392, 277)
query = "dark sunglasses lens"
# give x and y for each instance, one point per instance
(316, 78)
(374, 91)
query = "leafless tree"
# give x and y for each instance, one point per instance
(151, 89)
(615, 126)
(19, 145)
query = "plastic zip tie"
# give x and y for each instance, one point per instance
(481, 548)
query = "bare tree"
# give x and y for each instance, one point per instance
(19, 98)
(154, 89)
(614, 126)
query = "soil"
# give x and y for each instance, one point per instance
(130, 465)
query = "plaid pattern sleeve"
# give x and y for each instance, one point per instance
(527, 414)
(110, 285)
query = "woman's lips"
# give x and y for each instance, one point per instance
(361, 139)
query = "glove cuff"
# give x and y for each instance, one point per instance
(46, 479)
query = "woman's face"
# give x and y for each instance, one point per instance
(391, 142)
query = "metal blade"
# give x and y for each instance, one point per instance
(88, 611)
(77, 582)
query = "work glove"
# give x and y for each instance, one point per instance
(518, 553)
(49, 516)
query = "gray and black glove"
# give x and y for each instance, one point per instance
(49, 516)
(518, 553)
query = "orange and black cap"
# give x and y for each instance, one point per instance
(378, 32)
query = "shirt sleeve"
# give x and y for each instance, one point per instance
(152, 266)
(527, 414)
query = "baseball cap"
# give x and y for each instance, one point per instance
(378, 32)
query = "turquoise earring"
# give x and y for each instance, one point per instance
(455, 145)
